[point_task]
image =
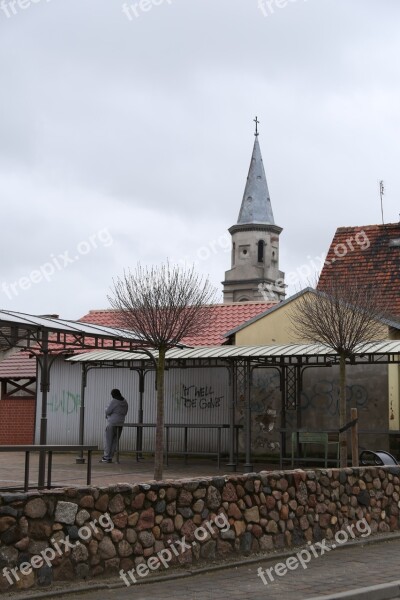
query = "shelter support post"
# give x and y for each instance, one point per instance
(291, 395)
(354, 438)
(299, 382)
(81, 460)
(139, 430)
(44, 388)
(248, 466)
(45, 362)
(283, 423)
(232, 421)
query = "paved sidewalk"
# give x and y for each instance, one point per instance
(67, 473)
(352, 566)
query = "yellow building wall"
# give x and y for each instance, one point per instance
(394, 388)
(394, 382)
(274, 328)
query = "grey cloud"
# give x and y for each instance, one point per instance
(146, 126)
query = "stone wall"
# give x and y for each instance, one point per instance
(90, 532)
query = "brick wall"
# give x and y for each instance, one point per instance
(17, 420)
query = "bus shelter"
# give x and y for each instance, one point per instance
(289, 361)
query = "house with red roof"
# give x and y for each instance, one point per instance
(226, 317)
(371, 254)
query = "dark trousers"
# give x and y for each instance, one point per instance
(111, 437)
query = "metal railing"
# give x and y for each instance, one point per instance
(49, 450)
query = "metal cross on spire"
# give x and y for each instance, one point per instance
(257, 122)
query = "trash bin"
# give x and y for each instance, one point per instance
(380, 458)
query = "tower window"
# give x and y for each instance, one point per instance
(233, 253)
(261, 245)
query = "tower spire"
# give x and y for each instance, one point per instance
(256, 204)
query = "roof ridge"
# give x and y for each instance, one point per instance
(222, 305)
(377, 226)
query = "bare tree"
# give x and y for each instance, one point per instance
(344, 316)
(164, 305)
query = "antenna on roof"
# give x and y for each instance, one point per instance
(382, 192)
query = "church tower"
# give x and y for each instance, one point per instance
(254, 273)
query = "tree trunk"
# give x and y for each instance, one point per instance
(159, 450)
(342, 413)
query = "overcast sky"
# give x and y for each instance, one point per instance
(127, 136)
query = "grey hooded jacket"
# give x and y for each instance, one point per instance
(116, 412)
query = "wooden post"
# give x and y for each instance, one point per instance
(354, 438)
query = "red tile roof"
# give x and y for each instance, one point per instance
(18, 365)
(371, 254)
(227, 317)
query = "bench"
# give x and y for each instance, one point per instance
(186, 452)
(322, 439)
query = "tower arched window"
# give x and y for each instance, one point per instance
(261, 246)
(233, 254)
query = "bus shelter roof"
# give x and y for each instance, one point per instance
(25, 331)
(385, 351)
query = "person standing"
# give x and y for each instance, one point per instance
(115, 415)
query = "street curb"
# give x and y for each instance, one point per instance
(384, 591)
(272, 557)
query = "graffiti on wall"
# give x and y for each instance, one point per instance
(320, 398)
(203, 397)
(324, 397)
(66, 402)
